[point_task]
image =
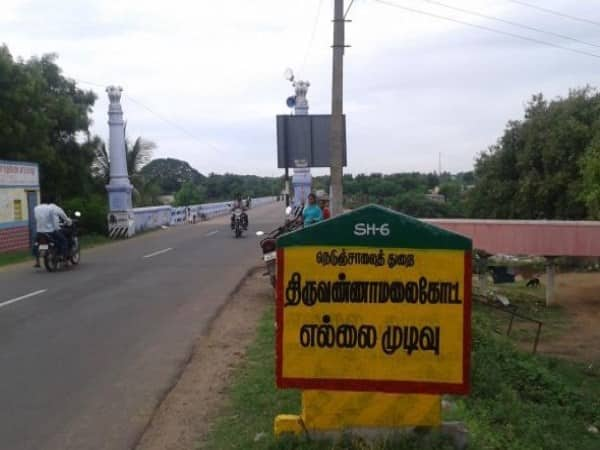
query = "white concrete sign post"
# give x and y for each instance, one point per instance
(120, 218)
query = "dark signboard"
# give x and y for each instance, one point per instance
(304, 141)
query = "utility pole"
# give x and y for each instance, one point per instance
(337, 111)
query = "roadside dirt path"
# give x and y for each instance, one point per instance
(579, 294)
(183, 419)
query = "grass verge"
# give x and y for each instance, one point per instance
(86, 241)
(530, 302)
(9, 258)
(518, 401)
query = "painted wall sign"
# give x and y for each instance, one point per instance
(14, 174)
(376, 301)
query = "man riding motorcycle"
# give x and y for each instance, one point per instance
(48, 218)
(238, 203)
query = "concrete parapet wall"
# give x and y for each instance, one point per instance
(151, 217)
(157, 216)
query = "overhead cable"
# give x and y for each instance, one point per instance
(510, 22)
(489, 29)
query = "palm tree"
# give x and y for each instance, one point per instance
(138, 155)
(101, 163)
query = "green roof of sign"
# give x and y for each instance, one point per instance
(375, 226)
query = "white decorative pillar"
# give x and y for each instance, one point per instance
(301, 178)
(120, 217)
(301, 106)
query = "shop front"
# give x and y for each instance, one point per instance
(19, 194)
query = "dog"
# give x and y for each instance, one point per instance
(534, 282)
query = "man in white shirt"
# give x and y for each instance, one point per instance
(47, 218)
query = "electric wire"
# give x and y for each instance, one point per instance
(348, 9)
(510, 22)
(156, 114)
(89, 83)
(489, 29)
(312, 38)
(170, 122)
(555, 13)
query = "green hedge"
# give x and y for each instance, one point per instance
(93, 209)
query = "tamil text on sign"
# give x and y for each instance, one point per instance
(374, 301)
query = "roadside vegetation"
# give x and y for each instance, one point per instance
(526, 301)
(86, 242)
(519, 401)
(9, 258)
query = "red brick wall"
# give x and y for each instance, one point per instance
(14, 239)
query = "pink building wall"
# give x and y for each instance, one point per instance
(528, 237)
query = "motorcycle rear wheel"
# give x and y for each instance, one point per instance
(75, 253)
(51, 260)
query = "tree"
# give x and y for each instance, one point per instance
(589, 166)
(137, 155)
(147, 194)
(534, 171)
(419, 206)
(190, 194)
(170, 174)
(43, 117)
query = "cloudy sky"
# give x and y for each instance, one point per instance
(415, 85)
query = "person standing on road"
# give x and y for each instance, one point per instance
(312, 213)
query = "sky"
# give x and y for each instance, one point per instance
(204, 79)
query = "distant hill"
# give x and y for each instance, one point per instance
(170, 174)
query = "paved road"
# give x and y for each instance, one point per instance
(84, 362)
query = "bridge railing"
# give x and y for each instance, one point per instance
(148, 218)
(151, 217)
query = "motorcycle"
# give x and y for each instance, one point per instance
(47, 247)
(238, 226)
(268, 244)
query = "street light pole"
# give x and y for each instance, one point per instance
(337, 111)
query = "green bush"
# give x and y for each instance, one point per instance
(523, 401)
(93, 209)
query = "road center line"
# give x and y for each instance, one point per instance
(212, 233)
(23, 297)
(160, 252)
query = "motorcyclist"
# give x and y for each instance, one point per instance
(238, 203)
(48, 217)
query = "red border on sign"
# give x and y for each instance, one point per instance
(466, 384)
(279, 319)
(399, 387)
